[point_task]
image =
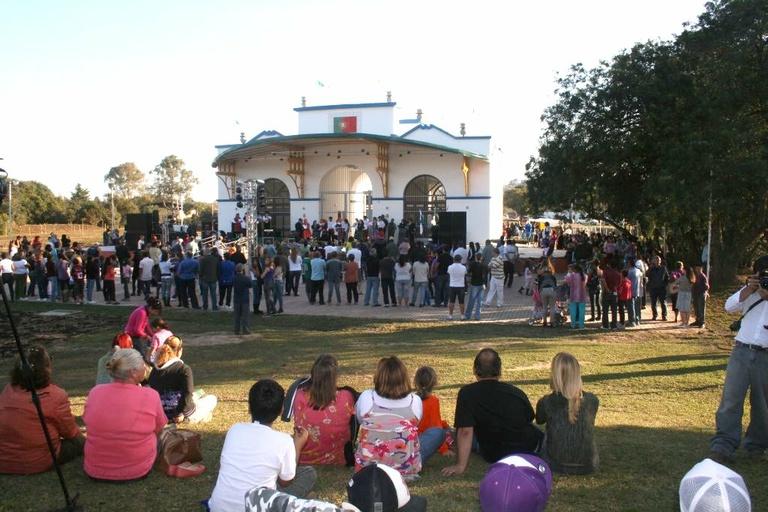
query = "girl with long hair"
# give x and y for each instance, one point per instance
(569, 413)
(325, 410)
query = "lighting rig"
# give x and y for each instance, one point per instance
(251, 195)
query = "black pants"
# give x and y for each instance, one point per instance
(509, 273)
(594, 303)
(316, 287)
(610, 302)
(659, 295)
(352, 291)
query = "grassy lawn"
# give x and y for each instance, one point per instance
(658, 393)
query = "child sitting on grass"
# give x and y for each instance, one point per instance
(424, 381)
(569, 414)
(162, 333)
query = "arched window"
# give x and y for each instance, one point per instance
(424, 195)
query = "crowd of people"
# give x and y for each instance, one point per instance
(143, 385)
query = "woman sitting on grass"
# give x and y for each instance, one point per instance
(325, 412)
(23, 448)
(121, 340)
(172, 379)
(569, 414)
(389, 416)
(123, 421)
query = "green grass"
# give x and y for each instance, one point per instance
(658, 394)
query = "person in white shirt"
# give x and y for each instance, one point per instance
(254, 455)
(457, 274)
(747, 370)
(6, 269)
(145, 275)
(461, 251)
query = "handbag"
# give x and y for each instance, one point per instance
(179, 446)
(673, 288)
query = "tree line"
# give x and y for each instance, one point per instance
(667, 136)
(167, 188)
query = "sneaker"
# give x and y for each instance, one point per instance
(720, 457)
(449, 317)
(386, 305)
(376, 305)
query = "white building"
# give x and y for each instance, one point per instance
(347, 161)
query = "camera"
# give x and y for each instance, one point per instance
(763, 277)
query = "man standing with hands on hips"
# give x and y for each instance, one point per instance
(747, 370)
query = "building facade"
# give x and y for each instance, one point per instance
(346, 161)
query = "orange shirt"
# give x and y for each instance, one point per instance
(430, 417)
(23, 449)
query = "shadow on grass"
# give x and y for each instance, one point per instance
(640, 469)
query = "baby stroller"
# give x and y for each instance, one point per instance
(561, 304)
(538, 308)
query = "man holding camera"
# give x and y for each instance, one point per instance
(747, 370)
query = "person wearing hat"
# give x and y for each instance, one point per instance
(493, 418)
(711, 487)
(747, 370)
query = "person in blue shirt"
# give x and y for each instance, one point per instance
(187, 271)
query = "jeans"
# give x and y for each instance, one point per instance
(54, 288)
(225, 293)
(659, 295)
(432, 439)
(371, 288)
(610, 301)
(509, 273)
(637, 304)
(747, 370)
(578, 311)
(334, 286)
(167, 281)
(277, 294)
(242, 318)
(417, 297)
(441, 289)
(402, 289)
(145, 287)
(89, 290)
(269, 289)
(42, 287)
(495, 288)
(208, 289)
(475, 301)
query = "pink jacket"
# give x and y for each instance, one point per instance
(578, 287)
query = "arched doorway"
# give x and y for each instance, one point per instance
(424, 195)
(345, 191)
(278, 201)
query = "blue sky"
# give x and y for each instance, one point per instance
(86, 85)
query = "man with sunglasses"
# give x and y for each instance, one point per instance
(747, 370)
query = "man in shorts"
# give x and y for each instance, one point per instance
(457, 274)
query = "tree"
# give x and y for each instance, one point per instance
(515, 199)
(80, 203)
(126, 180)
(173, 183)
(650, 136)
